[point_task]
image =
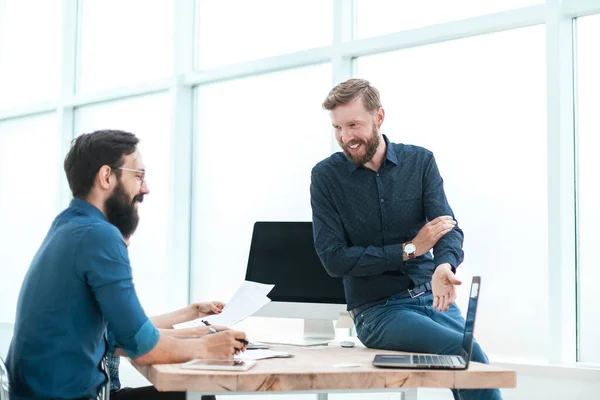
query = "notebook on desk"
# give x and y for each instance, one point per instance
(433, 361)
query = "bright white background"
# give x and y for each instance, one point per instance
(255, 167)
(588, 195)
(29, 174)
(226, 96)
(22, 80)
(269, 28)
(378, 17)
(123, 45)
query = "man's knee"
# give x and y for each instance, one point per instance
(478, 355)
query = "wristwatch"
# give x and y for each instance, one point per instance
(410, 249)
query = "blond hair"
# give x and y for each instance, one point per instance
(351, 89)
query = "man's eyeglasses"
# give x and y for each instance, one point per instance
(141, 178)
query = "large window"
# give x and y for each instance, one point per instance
(254, 128)
(378, 17)
(479, 104)
(22, 78)
(588, 194)
(124, 42)
(147, 117)
(257, 140)
(30, 178)
(259, 28)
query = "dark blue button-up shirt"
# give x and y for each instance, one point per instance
(78, 282)
(361, 218)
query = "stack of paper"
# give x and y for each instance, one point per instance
(248, 299)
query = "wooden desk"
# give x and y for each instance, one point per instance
(313, 369)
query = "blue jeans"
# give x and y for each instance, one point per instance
(413, 325)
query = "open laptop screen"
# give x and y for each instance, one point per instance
(467, 344)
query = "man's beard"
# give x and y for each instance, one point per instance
(122, 213)
(370, 145)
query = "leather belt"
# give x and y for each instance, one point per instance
(412, 293)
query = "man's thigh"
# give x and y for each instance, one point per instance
(407, 325)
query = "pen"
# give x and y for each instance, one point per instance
(213, 330)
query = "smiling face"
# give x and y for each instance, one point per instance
(357, 130)
(122, 205)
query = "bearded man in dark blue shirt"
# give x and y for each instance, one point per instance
(378, 209)
(80, 281)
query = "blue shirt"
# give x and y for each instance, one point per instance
(78, 282)
(361, 218)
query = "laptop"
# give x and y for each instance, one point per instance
(433, 361)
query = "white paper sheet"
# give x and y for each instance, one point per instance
(248, 299)
(261, 354)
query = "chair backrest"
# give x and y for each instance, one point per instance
(3, 381)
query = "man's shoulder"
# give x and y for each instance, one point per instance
(333, 162)
(93, 231)
(101, 241)
(411, 150)
(102, 231)
(75, 224)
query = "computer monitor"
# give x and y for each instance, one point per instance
(283, 254)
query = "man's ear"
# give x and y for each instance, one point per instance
(104, 176)
(380, 117)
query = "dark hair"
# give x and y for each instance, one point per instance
(90, 151)
(347, 91)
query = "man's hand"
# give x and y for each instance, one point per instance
(433, 231)
(443, 284)
(221, 345)
(203, 309)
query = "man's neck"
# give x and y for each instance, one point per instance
(379, 156)
(96, 202)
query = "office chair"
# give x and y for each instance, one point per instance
(3, 381)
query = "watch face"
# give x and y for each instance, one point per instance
(410, 248)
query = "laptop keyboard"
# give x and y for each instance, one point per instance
(432, 360)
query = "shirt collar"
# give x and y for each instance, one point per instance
(390, 155)
(87, 207)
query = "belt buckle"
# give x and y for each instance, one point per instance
(413, 295)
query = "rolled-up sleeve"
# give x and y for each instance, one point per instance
(102, 261)
(142, 342)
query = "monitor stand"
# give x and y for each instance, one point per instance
(317, 332)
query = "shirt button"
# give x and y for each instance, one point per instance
(382, 200)
(377, 174)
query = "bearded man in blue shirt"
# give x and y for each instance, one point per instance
(378, 209)
(80, 281)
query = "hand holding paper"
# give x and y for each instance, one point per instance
(248, 299)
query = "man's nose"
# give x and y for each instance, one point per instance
(145, 189)
(346, 136)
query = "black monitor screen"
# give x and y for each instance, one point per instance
(283, 254)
